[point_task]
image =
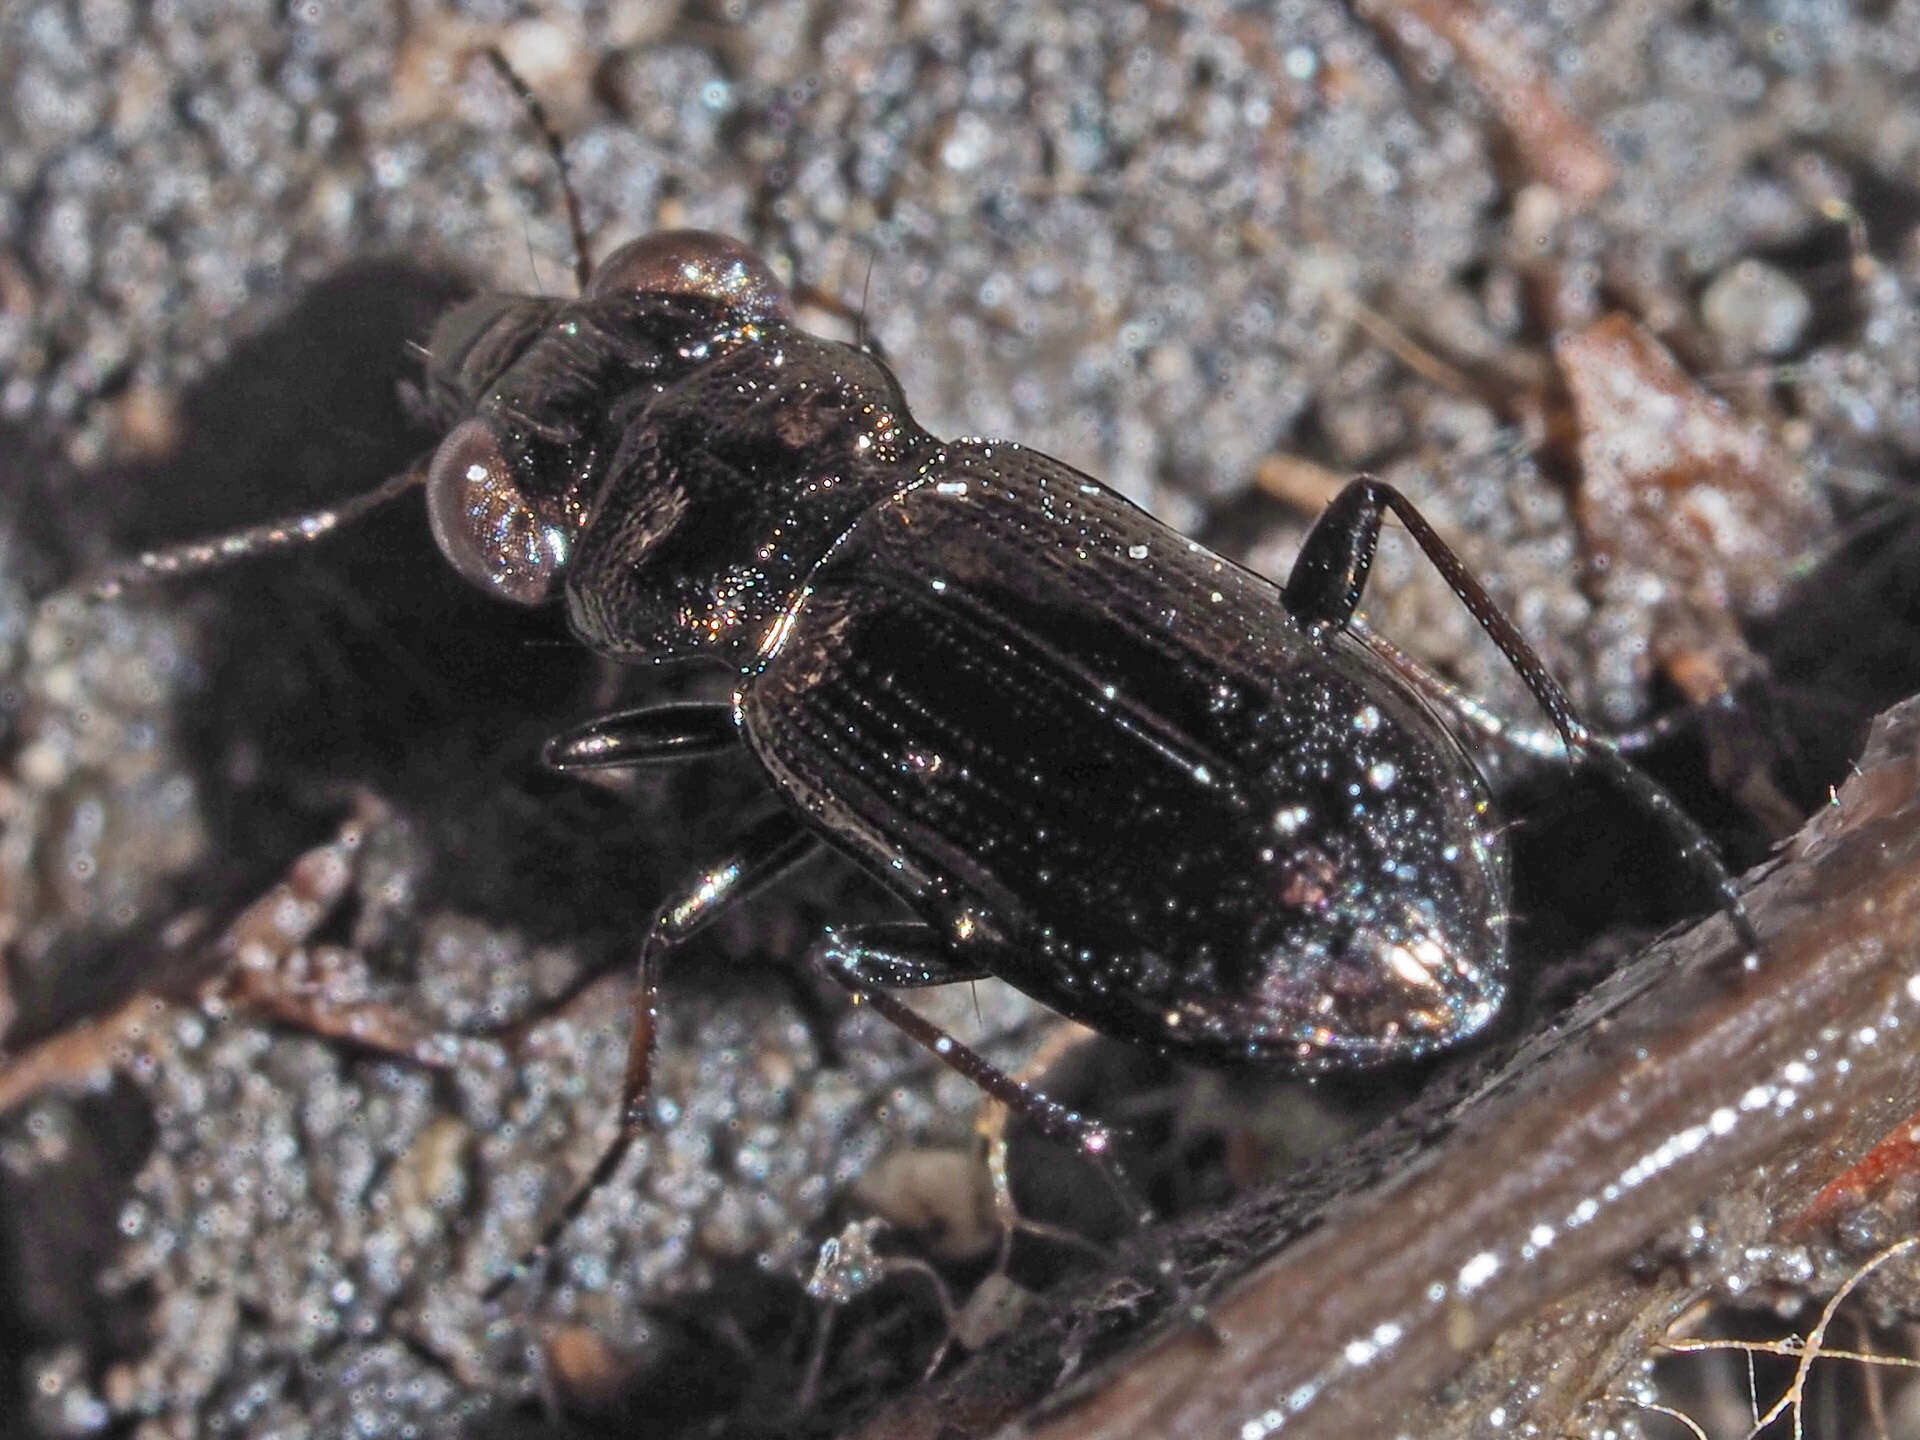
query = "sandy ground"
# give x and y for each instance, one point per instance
(1220, 259)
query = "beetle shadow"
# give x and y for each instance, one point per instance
(359, 665)
(364, 663)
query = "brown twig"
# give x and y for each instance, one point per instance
(1349, 1296)
(262, 964)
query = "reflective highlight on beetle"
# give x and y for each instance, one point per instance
(1151, 789)
(1095, 759)
(1133, 787)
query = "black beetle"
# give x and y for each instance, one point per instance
(1147, 787)
(1097, 760)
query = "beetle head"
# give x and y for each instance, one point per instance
(526, 379)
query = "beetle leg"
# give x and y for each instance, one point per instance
(846, 958)
(764, 853)
(1740, 743)
(645, 737)
(1529, 740)
(990, 1127)
(651, 735)
(1324, 588)
(905, 955)
(1330, 573)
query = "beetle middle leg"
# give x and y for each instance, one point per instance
(904, 955)
(764, 853)
(1324, 589)
(901, 955)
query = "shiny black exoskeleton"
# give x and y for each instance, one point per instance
(1096, 760)
(1147, 787)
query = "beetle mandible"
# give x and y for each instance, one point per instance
(1153, 790)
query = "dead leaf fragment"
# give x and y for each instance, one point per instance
(1683, 499)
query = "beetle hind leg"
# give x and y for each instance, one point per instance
(910, 956)
(1324, 589)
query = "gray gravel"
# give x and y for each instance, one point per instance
(1132, 236)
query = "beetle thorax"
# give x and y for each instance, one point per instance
(727, 489)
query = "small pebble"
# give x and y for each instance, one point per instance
(1756, 310)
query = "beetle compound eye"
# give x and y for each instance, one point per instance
(484, 525)
(694, 262)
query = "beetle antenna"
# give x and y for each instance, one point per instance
(530, 102)
(290, 532)
(862, 336)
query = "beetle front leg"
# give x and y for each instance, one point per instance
(766, 852)
(909, 955)
(651, 735)
(648, 736)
